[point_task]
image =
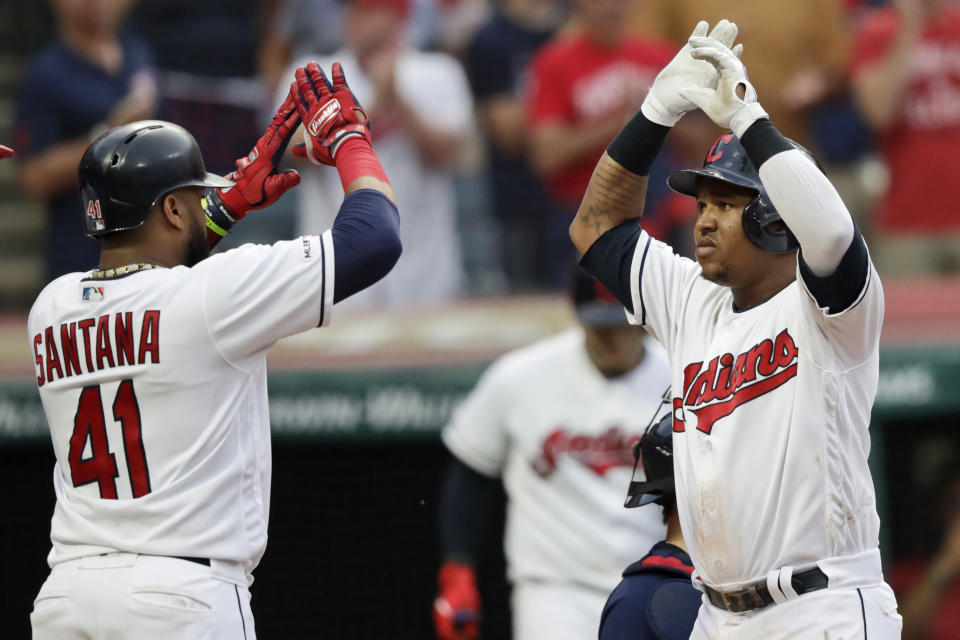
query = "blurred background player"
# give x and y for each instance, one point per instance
(553, 421)
(160, 541)
(655, 600)
(90, 79)
(422, 108)
(906, 79)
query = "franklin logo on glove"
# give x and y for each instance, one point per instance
(326, 114)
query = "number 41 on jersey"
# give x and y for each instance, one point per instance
(89, 425)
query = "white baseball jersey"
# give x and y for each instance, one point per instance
(771, 410)
(155, 389)
(560, 435)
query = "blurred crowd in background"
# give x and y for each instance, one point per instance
(489, 116)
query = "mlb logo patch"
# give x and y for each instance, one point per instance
(92, 294)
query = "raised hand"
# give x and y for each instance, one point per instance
(664, 103)
(331, 113)
(258, 183)
(733, 103)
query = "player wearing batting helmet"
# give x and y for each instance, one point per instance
(5, 152)
(773, 335)
(152, 367)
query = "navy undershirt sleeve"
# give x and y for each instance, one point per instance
(464, 510)
(366, 241)
(609, 259)
(841, 289)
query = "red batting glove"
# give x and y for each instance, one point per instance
(331, 113)
(456, 610)
(5, 152)
(258, 183)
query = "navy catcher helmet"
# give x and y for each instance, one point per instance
(727, 161)
(126, 171)
(655, 448)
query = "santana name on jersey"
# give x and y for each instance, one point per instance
(108, 341)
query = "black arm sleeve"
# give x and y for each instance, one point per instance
(762, 141)
(841, 289)
(366, 241)
(609, 259)
(464, 510)
(638, 143)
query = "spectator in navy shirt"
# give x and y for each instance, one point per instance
(656, 599)
(88, 80)
(496, 65)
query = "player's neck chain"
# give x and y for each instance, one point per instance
(100, 274)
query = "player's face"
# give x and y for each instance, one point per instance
(615, 350)
(725, 254)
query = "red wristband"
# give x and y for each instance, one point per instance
(355, 159)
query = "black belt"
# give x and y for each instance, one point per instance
(204, 561)
(757, 595)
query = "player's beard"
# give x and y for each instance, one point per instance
(717, 273)
(197, 247)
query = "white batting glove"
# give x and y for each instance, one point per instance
(723, 105)
(664, 104)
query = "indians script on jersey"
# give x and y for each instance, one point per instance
(714, 390)
(600, 453)
(104, 342)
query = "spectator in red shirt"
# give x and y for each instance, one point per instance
(585, 84)
(906, 79)
(928, 589)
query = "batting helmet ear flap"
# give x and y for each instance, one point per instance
(759, 221)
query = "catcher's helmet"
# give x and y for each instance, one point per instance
(655, 448)
(727, 161)
(126, 171)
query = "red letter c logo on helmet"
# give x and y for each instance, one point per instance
(715, 150)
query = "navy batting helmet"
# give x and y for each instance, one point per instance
(727, 161)
(655, 448)
(126, 171)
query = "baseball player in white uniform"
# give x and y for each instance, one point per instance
(773, 339)
(152, 369)
(555, 421)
